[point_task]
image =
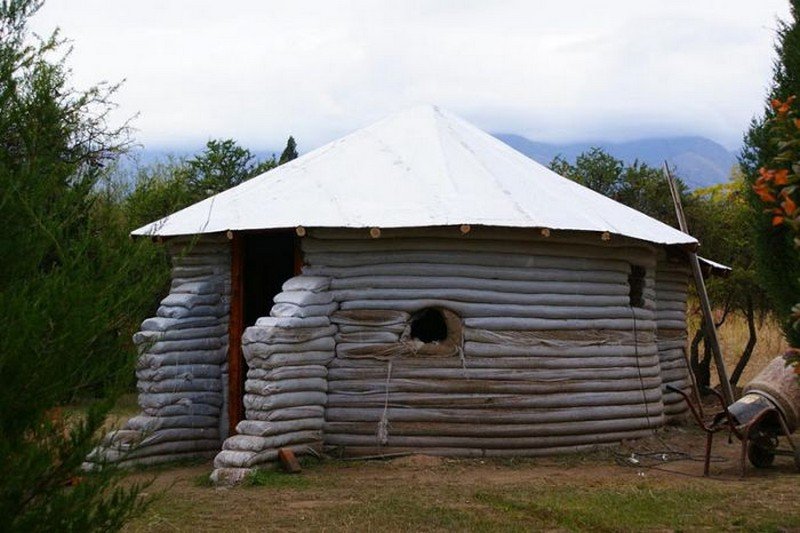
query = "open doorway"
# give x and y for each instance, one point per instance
(269, 260)
(261, 263)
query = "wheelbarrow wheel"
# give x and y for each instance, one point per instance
(761, 456)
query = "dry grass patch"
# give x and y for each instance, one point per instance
(733, 335)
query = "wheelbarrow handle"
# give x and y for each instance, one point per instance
(688, 401)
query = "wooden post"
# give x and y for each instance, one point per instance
(235, 330)
(709, 327)
(298, 258)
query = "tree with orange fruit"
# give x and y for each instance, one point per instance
(769, 164)
(778, 186)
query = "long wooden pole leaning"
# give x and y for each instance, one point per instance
(235, 329)
(709, 328)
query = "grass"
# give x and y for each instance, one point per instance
(275, 479)
(480, 495)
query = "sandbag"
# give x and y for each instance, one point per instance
(286, 413)
(180, 435)
(153, 423)
(307, 283)
(263, 350)
(304, 298)
(204, 357)
(159, 347)
(179, 372)
(189, 300)
(249, 443)
(160, 323)
(368, 337)
(197, 311)
(288, 372)
(179, 334)
(287, 399)
(265, 428)
(160, 400)
(370, 317)
(292, 310)
(266, 388)
(183, 408)
(291, 359)
(179, 385)
(391, 328)
(198, 287)
(293, 322)
(276, 335)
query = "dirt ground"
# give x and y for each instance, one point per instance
(662, 489)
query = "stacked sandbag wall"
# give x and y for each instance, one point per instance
(182, 367)
(287, 355)
(672, 283)
(551, 356)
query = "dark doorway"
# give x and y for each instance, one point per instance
(261, 263)
(269, 260)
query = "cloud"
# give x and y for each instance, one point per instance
(552, 70)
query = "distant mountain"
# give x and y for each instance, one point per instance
(700, 162)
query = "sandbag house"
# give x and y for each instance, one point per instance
(415, 286)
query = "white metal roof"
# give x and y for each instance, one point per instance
(420, 167)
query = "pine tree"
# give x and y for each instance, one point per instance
(72, 286)
(777, 260)
(290, 152)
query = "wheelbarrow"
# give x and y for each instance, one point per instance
(768, 412)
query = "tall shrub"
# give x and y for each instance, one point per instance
(72, 286)
(777, 260)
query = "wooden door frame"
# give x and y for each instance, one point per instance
(235, 330)
(236, 365)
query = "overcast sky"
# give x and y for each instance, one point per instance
(560, 70)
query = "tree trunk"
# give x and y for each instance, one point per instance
(701, 368)
(751, 343)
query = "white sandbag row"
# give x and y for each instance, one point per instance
(404, 370)
(186, 372)
(430, 271)
(180, 367)
(515, 363)
(559, 338)
(336, 259)
(287, 355)
(455, 386)
(483, 297)
(502, 420)
(672, 278)
(492, 446)
(470, 283)
(553, 248)
(492, 310)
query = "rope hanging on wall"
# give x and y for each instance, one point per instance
(383, 424)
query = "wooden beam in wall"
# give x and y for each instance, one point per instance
(298, 257)
(236, 367)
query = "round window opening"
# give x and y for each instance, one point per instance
(429, 325)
